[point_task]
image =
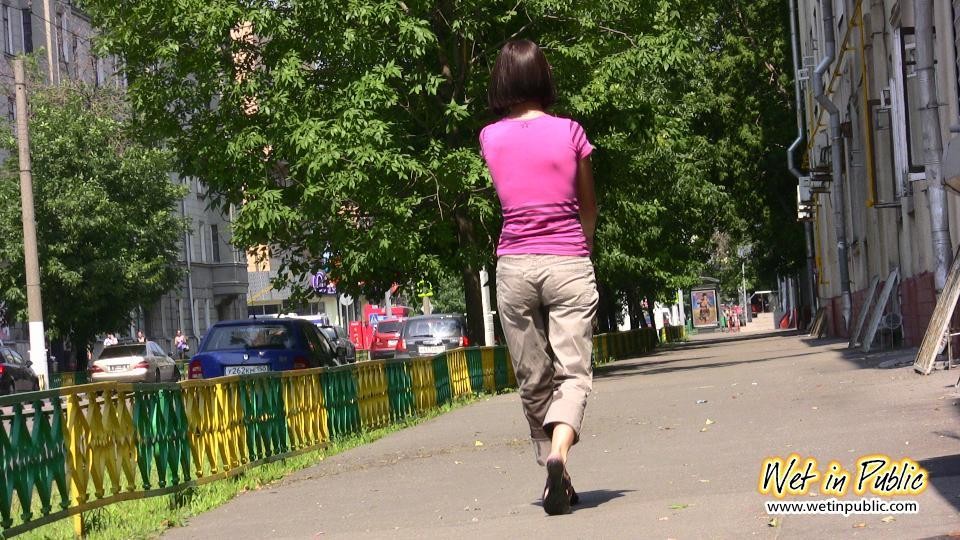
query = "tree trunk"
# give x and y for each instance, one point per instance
(471, 278)
(637, 320)
(609, 317)
(471, 289)
(603, 320)
(653, 321)
(80, 345)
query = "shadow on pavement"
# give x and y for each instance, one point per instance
(642, 368)
(593, 499)
(944, 477)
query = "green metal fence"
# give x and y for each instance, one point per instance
(75, 448)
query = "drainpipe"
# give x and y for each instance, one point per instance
(791, 152)
(836, 145)
(189, 260)
(932, 142)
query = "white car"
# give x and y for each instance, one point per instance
(134, 362)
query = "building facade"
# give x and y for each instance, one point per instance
(870, 189)
(215, 286)
(265, 299)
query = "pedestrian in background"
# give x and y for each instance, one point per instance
(546, 288)
(180, 343)
(140, 337)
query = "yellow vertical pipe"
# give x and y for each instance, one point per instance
(867, 119)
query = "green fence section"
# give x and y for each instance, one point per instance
(400, 390)
(340, 397)
(72, 449)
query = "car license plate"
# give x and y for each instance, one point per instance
(246, 370)
(121, 367)
(432, 350)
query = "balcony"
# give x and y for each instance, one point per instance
(229, 279)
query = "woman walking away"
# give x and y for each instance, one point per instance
(546, 289)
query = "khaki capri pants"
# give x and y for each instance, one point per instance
(547, 305)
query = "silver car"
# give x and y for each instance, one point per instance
(134, 362)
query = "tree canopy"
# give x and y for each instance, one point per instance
(346, 130)
(106, 232)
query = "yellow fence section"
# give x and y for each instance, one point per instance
(305, 409)
(372, 394)
(424, 386)
(489, 378)
(459, 374)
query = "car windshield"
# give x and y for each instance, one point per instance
(329, 331)
(389, 327)
(121, 351)
(441, 328)
(254, 336)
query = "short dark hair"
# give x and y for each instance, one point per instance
(521, 73)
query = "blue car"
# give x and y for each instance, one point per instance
(261, 345)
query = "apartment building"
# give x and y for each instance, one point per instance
(264, 299)
(215, 287)
(870, 189)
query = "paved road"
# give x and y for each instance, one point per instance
(649, 465)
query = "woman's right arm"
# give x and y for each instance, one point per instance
(588, 200)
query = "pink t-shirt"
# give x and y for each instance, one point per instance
(533, 163)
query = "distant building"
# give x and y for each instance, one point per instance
(890, 199)
(216, 286)
(264, 299)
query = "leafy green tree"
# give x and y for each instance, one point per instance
(106, 232)
(448, 295)
(346, 130)
(753, 122)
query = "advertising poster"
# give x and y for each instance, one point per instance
(704, 305)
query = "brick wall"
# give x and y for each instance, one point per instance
(917, 303)
(919, 299)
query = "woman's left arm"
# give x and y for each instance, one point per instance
(588, 200)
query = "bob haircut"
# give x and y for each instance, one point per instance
(521, 73)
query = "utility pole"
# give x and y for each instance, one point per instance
(488, 334)
(38, 350)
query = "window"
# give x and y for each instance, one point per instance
(99, 78)
(215, 242)
(180, 315)
(65, 36)
(121, 351)
(7, 31)
(163, 315)
(11, 109)
(26, 18)
(202, 229)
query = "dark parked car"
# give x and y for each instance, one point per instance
(385, 337)
(346, 351)
(16, 375)
(428, 335)
(261, 345)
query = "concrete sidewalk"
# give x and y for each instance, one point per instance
(649, 465)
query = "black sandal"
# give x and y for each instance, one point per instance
(572, 493)
(556, 497)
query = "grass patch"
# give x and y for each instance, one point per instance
(148, 518)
